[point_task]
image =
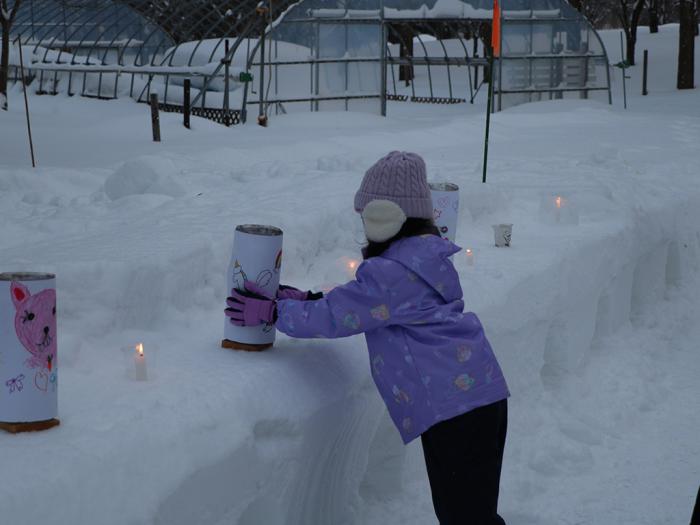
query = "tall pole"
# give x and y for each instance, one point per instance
(623, 66)
(26, 102)
(227, 73)
(494, 51)
(488, 118)
(262, 118)
(644, 74)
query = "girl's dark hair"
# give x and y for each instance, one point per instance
(410, 228)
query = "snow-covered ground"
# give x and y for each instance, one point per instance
(595, 324)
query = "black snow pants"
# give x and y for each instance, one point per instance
(463, 456)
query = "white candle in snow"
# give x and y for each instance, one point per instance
(470, 257)
(558, 203)
(140, 363)
(349, 266)
(352, 267)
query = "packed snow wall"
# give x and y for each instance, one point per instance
(323, 468)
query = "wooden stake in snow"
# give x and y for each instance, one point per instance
(187, 107)
(155, 118)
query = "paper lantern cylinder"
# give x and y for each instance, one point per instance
(558, 209)
(28, 360)
(256, 257)
(445, 197)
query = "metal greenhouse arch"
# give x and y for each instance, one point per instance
(285, 55)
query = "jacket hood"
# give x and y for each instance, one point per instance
(428, 257)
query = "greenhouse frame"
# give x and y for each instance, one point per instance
(280, 56)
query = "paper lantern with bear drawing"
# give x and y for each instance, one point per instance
(445, 197)
(28, 359)
(256, 257)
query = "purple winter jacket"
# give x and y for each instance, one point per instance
(429, 360)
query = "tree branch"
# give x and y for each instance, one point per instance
(636, 14)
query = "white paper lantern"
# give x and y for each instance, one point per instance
(558, 209)
(256, 257)
(445, 197)
(28, 344)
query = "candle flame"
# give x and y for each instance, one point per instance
(139, 349)
(558, 202)
(348, 265)
(469, 251)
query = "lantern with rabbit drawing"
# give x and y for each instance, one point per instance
(256, 257)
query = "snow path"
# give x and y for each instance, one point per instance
(631, 413)
(635, 460)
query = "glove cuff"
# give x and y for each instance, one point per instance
(270, 312)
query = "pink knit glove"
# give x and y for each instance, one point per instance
(251, 307)
(289, 292)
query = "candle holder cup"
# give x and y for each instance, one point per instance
(502, 234)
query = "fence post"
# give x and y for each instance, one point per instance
(186, 109)
(155, 119)
(644, 75)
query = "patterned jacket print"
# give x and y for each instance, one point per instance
(429, 359)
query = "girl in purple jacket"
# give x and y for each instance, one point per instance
(430, 360)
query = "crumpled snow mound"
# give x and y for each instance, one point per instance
(145, 175)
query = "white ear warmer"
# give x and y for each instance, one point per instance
(382, 220)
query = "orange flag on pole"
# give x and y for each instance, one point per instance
(496, 30)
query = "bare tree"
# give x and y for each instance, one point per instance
(596, 11)
(686, 45)
(7, 18)
(628, 13)
(653, 16)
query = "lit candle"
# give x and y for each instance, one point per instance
(470, 257)
(349, 265)
(558, 203)
(140, 363)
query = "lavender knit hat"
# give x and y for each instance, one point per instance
(400, 178)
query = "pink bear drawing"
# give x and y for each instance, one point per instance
(35, 324)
